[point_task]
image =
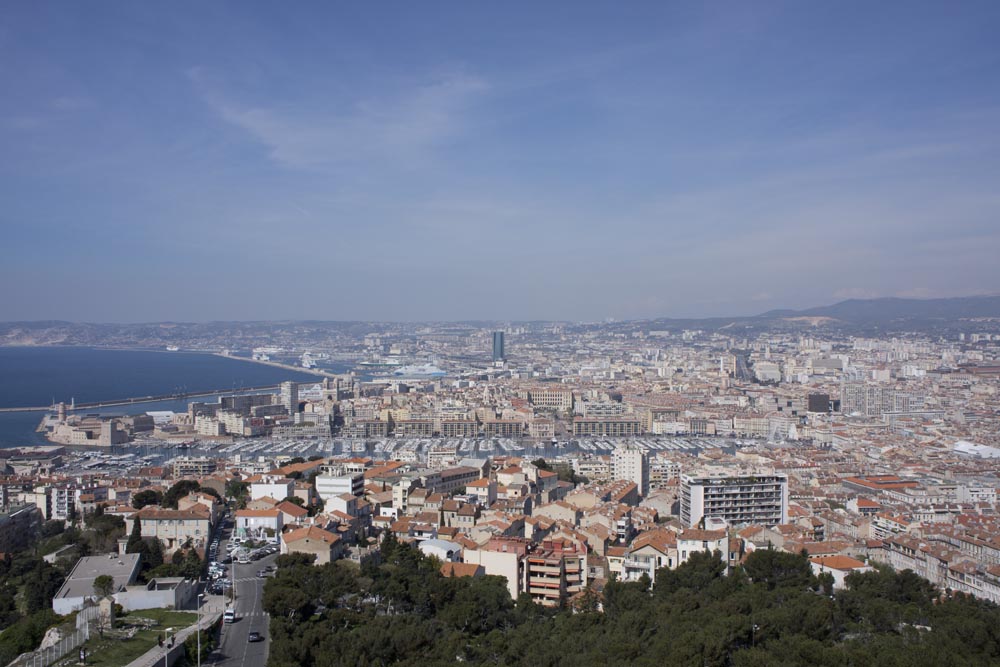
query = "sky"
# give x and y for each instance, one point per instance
(506, 161)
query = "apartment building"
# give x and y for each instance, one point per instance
(619, 427)
(631, 462)
(173, 528)
(737, 499)
(193, 466)
(558, 399)
(554, 571)
(459, 428)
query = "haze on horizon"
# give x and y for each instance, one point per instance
(429, 161)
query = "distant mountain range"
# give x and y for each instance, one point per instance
(868, 311)
(854, 316)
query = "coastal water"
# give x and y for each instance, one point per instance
(36, 376)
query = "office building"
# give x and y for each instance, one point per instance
(819, 403)
(498, 350)
(289, 397)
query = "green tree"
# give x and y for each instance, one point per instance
(134, 543)
(178, 491)
(146, 497)
(779, 569)
(541, 464)
(104, 585)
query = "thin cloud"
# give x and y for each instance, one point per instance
(314, 133)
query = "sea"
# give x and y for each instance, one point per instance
(39, 376)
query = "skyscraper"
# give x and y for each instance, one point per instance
(498, 351)
(290, 397)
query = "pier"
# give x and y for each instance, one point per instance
(139, 399)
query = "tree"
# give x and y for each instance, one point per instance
(52, 527)
(147, 497)
(104, 585)
(192, 566)
(779, 569)
(209, 491)
(134, 544)
(541, 464)
(178, 491)
(238, 491)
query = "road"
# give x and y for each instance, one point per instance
(234, 650)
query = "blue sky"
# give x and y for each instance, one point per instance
(407, 161)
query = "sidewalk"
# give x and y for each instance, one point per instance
(211, 612)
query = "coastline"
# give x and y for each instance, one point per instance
(275, 364)
(102, 400)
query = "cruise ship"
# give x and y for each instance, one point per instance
(419, 370)
(391, 362)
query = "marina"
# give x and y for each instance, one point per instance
(149, 452)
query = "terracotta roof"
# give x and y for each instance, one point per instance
(460, 569)
(659, 539)
(292, 509)
(310, 533)
(838, 562)
(702, 535)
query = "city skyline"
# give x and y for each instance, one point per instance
(440, 163)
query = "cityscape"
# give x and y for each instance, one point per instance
(549, 335)
(557, 457)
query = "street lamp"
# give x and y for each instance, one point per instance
(169, 645)
(198, 631)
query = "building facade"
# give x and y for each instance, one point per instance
(737, 499)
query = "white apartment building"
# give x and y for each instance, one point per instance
(737, 499)
(632, 463)
(332, 486)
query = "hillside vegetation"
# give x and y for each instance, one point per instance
(772, 611)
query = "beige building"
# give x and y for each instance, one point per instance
(174, 528)
(312, 540)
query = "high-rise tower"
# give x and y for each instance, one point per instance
(289, 397)
(498, 351)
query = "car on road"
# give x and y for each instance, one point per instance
(229, 616)
(255, 637)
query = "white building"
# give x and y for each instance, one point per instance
(691, 541)
(289, 397)
(272, 486)
(329, 487)
(259, 524)
(839, 567)
(632, 463)
(737, 499)
(79, 585)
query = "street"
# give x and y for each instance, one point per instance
(234, 650)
